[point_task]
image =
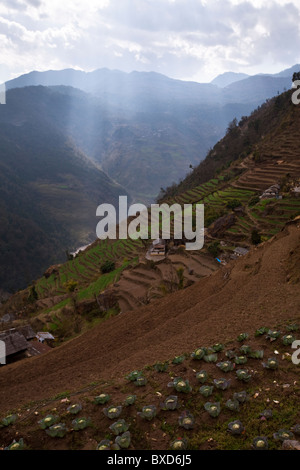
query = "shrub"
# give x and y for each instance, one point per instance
(255, 237)
(233, 204)
(108, 267)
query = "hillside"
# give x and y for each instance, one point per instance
(49, 191)
(141, 312)
(250, 293)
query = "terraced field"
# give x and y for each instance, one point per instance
(147, 282)
(85, 268)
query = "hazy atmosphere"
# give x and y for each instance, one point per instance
(186, 39)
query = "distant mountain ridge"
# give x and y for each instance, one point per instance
(71, 140)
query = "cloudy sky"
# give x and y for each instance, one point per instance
(185, 39)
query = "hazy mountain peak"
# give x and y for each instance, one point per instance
(227, 78)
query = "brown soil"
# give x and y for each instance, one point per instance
(254, 291)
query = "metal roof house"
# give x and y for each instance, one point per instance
(15, 343)
(44, 337)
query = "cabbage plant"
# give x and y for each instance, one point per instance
(261, 331)
(272, 363)
(178, 359)
(288, 340)
(10, 419)
(210, 358)
(170, 403)
(102, 399)
(124, 440)
(74, 409)
(230, 354)
(148, 412)
(240, 360)
(134, 375)
(186, 420)
(242, 337)
(245, 350)
(259, 354)
(222, 384)
(198, 353)
(267, 414)
(202, 376)
(213, 409)
(283, 435)
(218, 347)
(296, 429)
(161, 366)
(273, 335)
(260, 443)
(236, 428)
(141, 381)
(130, 400)
(180, 385)
(179, 444)
(48, 421)
(243, 375)
(226, 366)
(206, 390)
(293, 327)
(57, 430)
(119, 427)
(81, 423)
(104, 445)
(16, 445)
(112, 412)
(241, 397)
(232, 405)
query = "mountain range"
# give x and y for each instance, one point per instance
(71, 140)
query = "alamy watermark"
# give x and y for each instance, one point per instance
(296, 354)
(2, 353)
(159, 221)
(3, 94)
(296, 94)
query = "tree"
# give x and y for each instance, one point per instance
(232, 125)
(255, 237)
(296, 76)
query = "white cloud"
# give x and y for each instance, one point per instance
(188, 39)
